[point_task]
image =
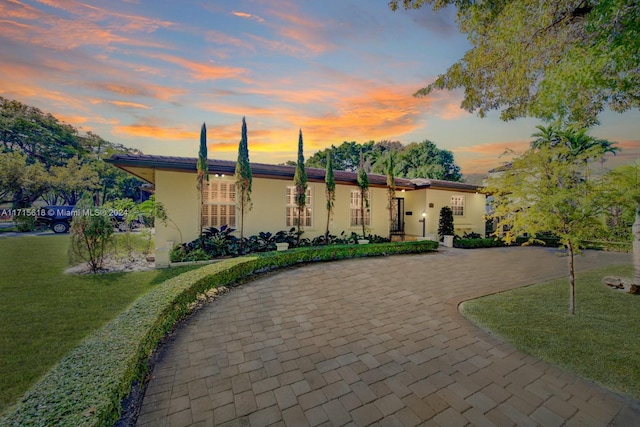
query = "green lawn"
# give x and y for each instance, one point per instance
(44, 313)
(599, 343)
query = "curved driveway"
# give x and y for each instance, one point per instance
(375, 341)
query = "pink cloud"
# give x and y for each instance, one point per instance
(248, 16)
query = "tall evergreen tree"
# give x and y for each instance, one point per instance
(300, 181)
(202, 168)
(330, 190)
(243, 178)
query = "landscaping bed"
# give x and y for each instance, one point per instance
(86, 387)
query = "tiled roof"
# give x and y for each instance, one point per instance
(274, 171)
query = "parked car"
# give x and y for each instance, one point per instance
(59, 218)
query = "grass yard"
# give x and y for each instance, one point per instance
(44, 313)
(599, 343)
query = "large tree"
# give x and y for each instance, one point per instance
(416, 160)
(423, 160)
(346, 156)
(545, 191)
(244, 178)
(71, 182)
(41, 137)
(553, 59)
(21, 183)
(45, 141)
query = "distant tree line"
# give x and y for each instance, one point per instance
(44, 158)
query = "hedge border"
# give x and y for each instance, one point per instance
(87, 386)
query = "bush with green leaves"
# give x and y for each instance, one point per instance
(478, 243)
(25, 223)
(87, 386)
(91, 237)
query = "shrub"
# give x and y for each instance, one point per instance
(217, 243)
(87, 386)
(478, 243)
(471, 235)
(445, 225)
(91, 237)
(25, 223)
(543, 239)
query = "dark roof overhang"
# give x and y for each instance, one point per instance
(143, 166)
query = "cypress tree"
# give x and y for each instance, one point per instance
(243, 178)
(300, 182)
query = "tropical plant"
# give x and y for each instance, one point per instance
(330, 191)
(300, 182)
(244, 178)
(363, 185)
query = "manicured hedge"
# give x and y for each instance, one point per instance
(478, 243)
(86, 387)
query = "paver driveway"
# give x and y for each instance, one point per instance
(374, 341)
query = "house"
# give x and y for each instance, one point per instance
(416, 207)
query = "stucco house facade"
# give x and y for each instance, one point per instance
(273, 203)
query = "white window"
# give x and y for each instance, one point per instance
(218, 204)
(306, 218)
(457, 205)
(356, 212)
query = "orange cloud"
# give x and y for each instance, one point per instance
(309, 33)
(127, 104)
(145, 90)
(140, 130)
(86, 25)
(199, 70)
(483, 157)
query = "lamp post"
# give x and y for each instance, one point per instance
(424, 222)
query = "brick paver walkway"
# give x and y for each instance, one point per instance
(374, 341)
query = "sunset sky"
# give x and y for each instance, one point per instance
(147, 73)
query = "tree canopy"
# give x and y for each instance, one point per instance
(545, 191)
(416, 160)
(564, 59)
(56, 161)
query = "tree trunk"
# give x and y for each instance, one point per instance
(326, 233)
(241, 223)
(364, 234)
(572, 280)
(636, 247)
